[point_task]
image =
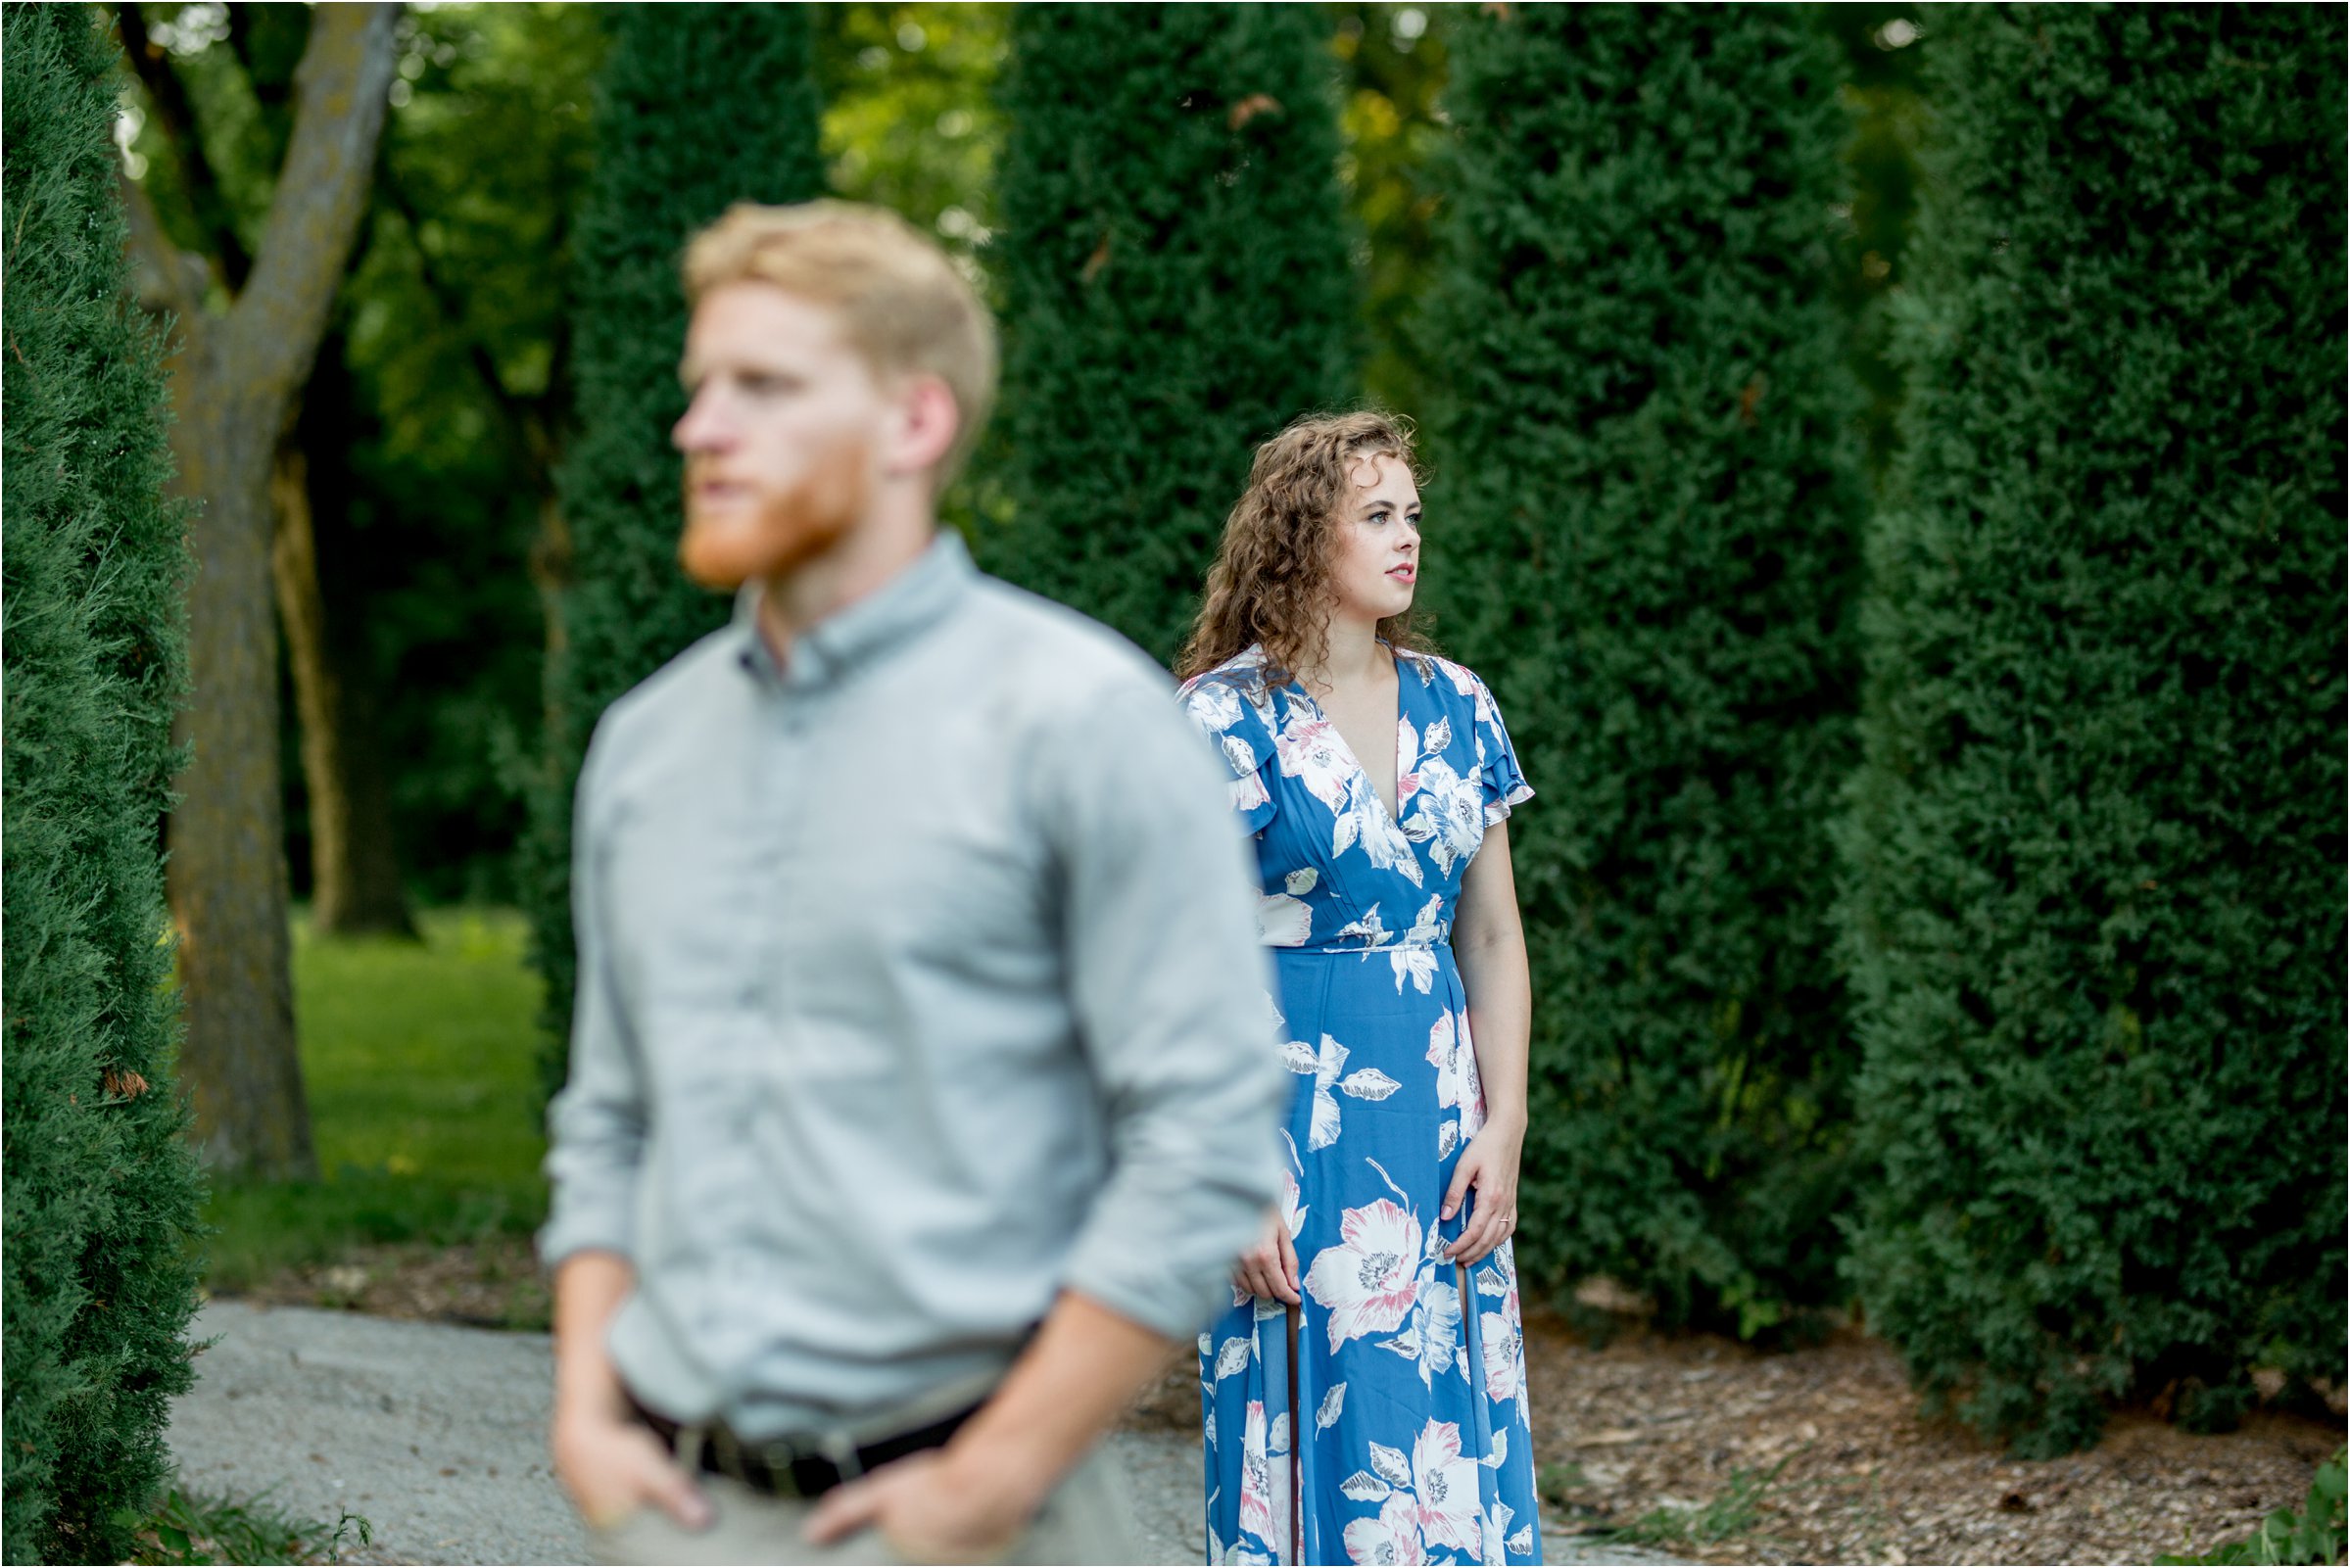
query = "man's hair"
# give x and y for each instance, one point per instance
(1271, 583)
(905, 305)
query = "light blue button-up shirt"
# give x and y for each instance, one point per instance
(918, 981)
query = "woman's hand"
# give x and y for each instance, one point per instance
(1490, 1165)
(1268, 1269)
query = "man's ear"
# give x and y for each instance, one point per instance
(926, 424)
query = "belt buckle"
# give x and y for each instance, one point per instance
(726, 1453)
(840, 1450)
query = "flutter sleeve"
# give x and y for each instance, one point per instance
(1238, 729)
(1499, 777)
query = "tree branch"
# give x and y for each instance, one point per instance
(342, 82)
(176, 118)
(163, 277)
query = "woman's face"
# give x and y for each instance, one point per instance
(1375, 559)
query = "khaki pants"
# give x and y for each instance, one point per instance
(1084, 1522)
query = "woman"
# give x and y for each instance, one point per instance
(1373, 1366)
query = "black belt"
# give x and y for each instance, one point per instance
(785, 1469)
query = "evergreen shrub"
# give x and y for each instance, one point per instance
(1177, 288)
(101, 1192)
(1643, 530)
(2095, 917)
(700, 106)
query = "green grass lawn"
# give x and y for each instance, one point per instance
(421, 1061)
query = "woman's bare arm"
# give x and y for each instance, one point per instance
(1490, 945)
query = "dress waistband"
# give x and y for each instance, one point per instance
(1417, 940)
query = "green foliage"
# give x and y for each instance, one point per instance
(911, 121)
(1644, 516)
(700, 106)
(1733, 1511)
(1177, 288)
(2095, 911)
(421, 1063)
(453, 326)
(2319, 1534)
(212, 1527)
(1393, 58)
(101, 1191)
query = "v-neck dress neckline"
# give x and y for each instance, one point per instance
(1395, 738)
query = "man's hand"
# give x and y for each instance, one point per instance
(612, 1467)
(609, 1463)
(929, 1507)
(1490, 1165)
(1270, 1267)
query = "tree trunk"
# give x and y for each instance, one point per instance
(237, 379)
(354, 869)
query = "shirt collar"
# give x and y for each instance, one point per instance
(900, 609)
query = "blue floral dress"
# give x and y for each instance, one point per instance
(1409, 1440)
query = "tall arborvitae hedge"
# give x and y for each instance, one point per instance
(101, 1191)
(2095, 920)
(1643, 530)
(1177, 287)
(700, 106)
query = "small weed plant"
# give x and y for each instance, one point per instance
(1733, 1511)
(2316, 1534)
(203, 1527)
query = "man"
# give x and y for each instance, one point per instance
(922, 1087)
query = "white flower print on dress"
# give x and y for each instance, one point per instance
(1325, 1065)
(1502, 1331)
(1446, 1482)
(1366, 928)
(1264, 1501)
(1369, 1282)
(1283, 920)
(1384, 843)
(1455, 1058)
(1415, 958)
(1494, 1527)
(1212, 704)
(1447, 815)
(1391, 1537)
(1432, 1337)
(1311, 752)
(1426, 1501)
(1363, 1083)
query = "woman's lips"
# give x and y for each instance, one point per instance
(1406, 575)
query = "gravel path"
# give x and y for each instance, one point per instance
(436, 1435)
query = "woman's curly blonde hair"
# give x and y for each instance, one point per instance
(1270, 584)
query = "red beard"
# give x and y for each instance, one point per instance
(780, 531)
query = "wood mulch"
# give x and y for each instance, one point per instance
(1709, 1449)
(1695, 1444)
(486, 1284)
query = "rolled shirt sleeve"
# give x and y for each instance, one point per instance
(1171, 991)
(595, 1126)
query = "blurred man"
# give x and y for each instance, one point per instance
(921, 1089)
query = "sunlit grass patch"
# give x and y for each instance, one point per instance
(419, 1062)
